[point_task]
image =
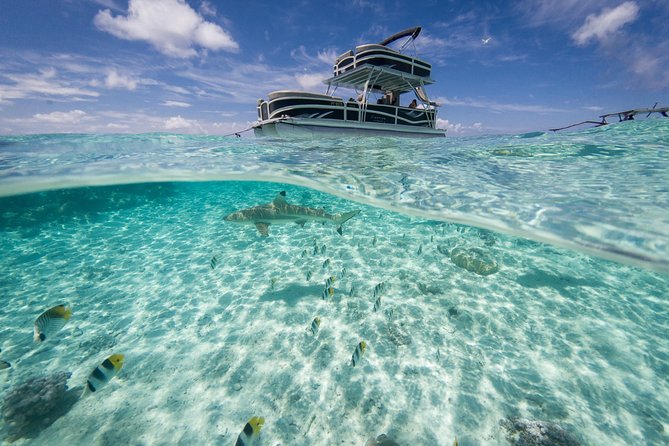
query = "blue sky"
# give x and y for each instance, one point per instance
(196, 66)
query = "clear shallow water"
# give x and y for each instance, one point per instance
(554, 335)
(603, 191)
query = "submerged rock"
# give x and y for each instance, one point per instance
(474, 260)
(36, 403)
(522, 432)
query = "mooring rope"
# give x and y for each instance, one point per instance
(238, 134)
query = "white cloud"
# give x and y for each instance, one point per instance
(495, 106)
(171, 26)
(46, 83)
(71, 117)
(609, 21)
(562, 13)
(176, 104)
(114, 126)
(459, 128)
(207, 8)
(447, 125)
(116, 80)
(179, 123)
(328, 56)
(312, 81)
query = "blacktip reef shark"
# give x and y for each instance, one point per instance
(279, 211)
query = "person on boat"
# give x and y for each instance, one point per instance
(413, 104)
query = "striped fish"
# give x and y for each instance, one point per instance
(420, 250)
(249, 436)
(330, 281)
(326, 263)
(308, 276)
(357, 354)
(323, 249)
(315, 325)
(213, 262)
(104, 373)
(377, 304)
(51, 321)
(351, 292)
(379, 288)
(328, 292)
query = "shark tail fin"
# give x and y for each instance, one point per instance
(343, 218)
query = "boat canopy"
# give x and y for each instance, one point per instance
(412, 32)
(381, 79)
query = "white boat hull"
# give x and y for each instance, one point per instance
(315, 128)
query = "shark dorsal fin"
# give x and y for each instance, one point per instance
(280, 199)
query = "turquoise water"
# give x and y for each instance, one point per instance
(563, 320)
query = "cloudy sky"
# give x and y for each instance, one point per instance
(199, 66)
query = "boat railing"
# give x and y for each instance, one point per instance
(380, 55)
(354, 111)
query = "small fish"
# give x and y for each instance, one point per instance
(379, 288)
(432, 239)
(51, 321)
(327, 292)
(343, 272)
(420, 250)
(315, 250)
(377, 304)
(330, 281)
(357, 354)
(323, 249)
(213, 262)
(251, 432)
(351, 292)
(4, 365)
(326, 263)
(308, 276)
(304, 253)
(374, 241)
(455, 443)
(315, 325)
(272, 283)
(104, 373)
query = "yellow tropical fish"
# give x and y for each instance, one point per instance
(327, 292)
(249, 436)
(51, 321)
(330, 282)
(104, 373)
(315, 325)
(357, 354)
